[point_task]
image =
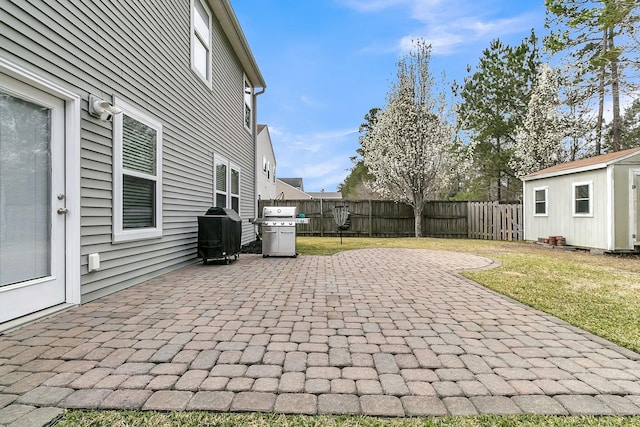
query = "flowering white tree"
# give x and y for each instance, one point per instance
(408, 148)
(539, 141)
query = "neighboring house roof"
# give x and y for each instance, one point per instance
(325, 195)
(231, 27)
(265, 128)
(292, 193)
(294, 182)
(590, 163)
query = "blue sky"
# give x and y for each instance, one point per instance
(328, 62)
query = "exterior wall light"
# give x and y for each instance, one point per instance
(102, 109)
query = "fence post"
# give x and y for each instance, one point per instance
(370, 220)
(321, 219)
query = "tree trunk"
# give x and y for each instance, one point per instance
(417, 213)
(615, 94)
(601, 78)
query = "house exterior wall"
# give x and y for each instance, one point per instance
(139, 51)
(591, 231)
(265, 166)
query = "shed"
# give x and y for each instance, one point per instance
(593, 202)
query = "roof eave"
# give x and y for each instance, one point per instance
(568, 171)
(231, 27)
(565, 172)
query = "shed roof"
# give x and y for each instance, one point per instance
(590, 163)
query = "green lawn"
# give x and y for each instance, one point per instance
(598, 293)
(207, 419)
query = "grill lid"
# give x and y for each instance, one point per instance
(279, 211)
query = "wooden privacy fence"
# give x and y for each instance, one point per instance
(495, 221)
(384, 218)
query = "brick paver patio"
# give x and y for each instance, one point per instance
(389, 332)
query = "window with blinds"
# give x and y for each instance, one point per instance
(226, 184)
(138, 190)
(235, 190)
(221, 184)
(137, 175)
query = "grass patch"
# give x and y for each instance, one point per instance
(207, 419)
(598, 293)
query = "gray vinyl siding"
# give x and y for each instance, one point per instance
(139, 51)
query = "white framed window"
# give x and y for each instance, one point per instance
(220, 184)
(540, 201)
(201, 40)
(234, 190)
(226, 184)
(582, 198)
(137, 175)
(264, 164)
(248, 105)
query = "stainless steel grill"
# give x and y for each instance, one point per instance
(279, 230)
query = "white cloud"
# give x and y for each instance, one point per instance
(449, 25)
(320, 158)
(370, 5)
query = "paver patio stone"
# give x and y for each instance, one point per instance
(459, 406)
(422, 406)
(12, 412)
(253, 402)
(338, 404)
(38, 417)
(583, 405)
(536, 404)
(168, 400)
(619, 404)
(90, 399)
(500, 405)
(382, 406)
(340, 334)
(45, 396)
(296, 403)
(219, 401)
(126, 399)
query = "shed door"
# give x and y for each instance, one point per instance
(32, 200)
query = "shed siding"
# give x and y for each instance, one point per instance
(589, 232)
(139, 51)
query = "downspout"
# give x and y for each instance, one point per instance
(255, 156)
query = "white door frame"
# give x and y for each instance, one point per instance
(72, 169)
